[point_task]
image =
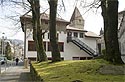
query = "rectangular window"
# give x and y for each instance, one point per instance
(46, 22)
(49, 46)
(32, 46)
(44, 43)
(99, 48)
(82, 58)
(49, 58)
(69, 34)
(79, 58)
(88, 58)
(75, 34)
(61, 46)
(48, 35)
(57, 36)
(43, 36)
(81, 35)
(75, 58)
(79, 20)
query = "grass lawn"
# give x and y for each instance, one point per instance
(75, 71)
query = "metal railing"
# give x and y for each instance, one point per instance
(79, 42)
(5, 66)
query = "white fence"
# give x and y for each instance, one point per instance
(5, 66)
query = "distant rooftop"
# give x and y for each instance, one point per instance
(91, 34)
(121, 12)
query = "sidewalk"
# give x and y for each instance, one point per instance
(16, 74)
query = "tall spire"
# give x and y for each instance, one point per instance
(77, 20)
(75, 14)
(101, 32)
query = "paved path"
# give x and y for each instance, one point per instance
(16, 74)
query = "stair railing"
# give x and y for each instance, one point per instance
(70, 39)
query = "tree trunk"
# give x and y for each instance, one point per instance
(41, 55)
(105, 19)
(110, 16)
(34, 23)
(41, 49)
(53, 34)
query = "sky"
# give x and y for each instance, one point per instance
(93, 19)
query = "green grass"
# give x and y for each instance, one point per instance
(69, 71)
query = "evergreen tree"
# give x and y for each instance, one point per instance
(8, 52)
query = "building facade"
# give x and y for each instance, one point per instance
(121, 33)
(75, 43)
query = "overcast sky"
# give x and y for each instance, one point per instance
(93, 20)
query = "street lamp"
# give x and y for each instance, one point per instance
(3, 43)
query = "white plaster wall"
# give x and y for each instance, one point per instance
(123, 58)
(122, 36)
(31, 54)
(29, 38)
(122, 46)
(122, 43)
(27, 49)
(61, 38)
(70, 49)
(91, 42)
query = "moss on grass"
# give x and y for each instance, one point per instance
(75, 71)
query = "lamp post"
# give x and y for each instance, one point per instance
(3, 43)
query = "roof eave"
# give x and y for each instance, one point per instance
(93, 36)
(77, 30)
(22, 25)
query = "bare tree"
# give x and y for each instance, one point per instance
(37, 36)
(36, 22)
(52, 29)
(110, 17)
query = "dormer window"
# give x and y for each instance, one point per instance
(79, 20)
(46, 22)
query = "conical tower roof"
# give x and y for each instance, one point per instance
(77, 20)
(76, 14)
